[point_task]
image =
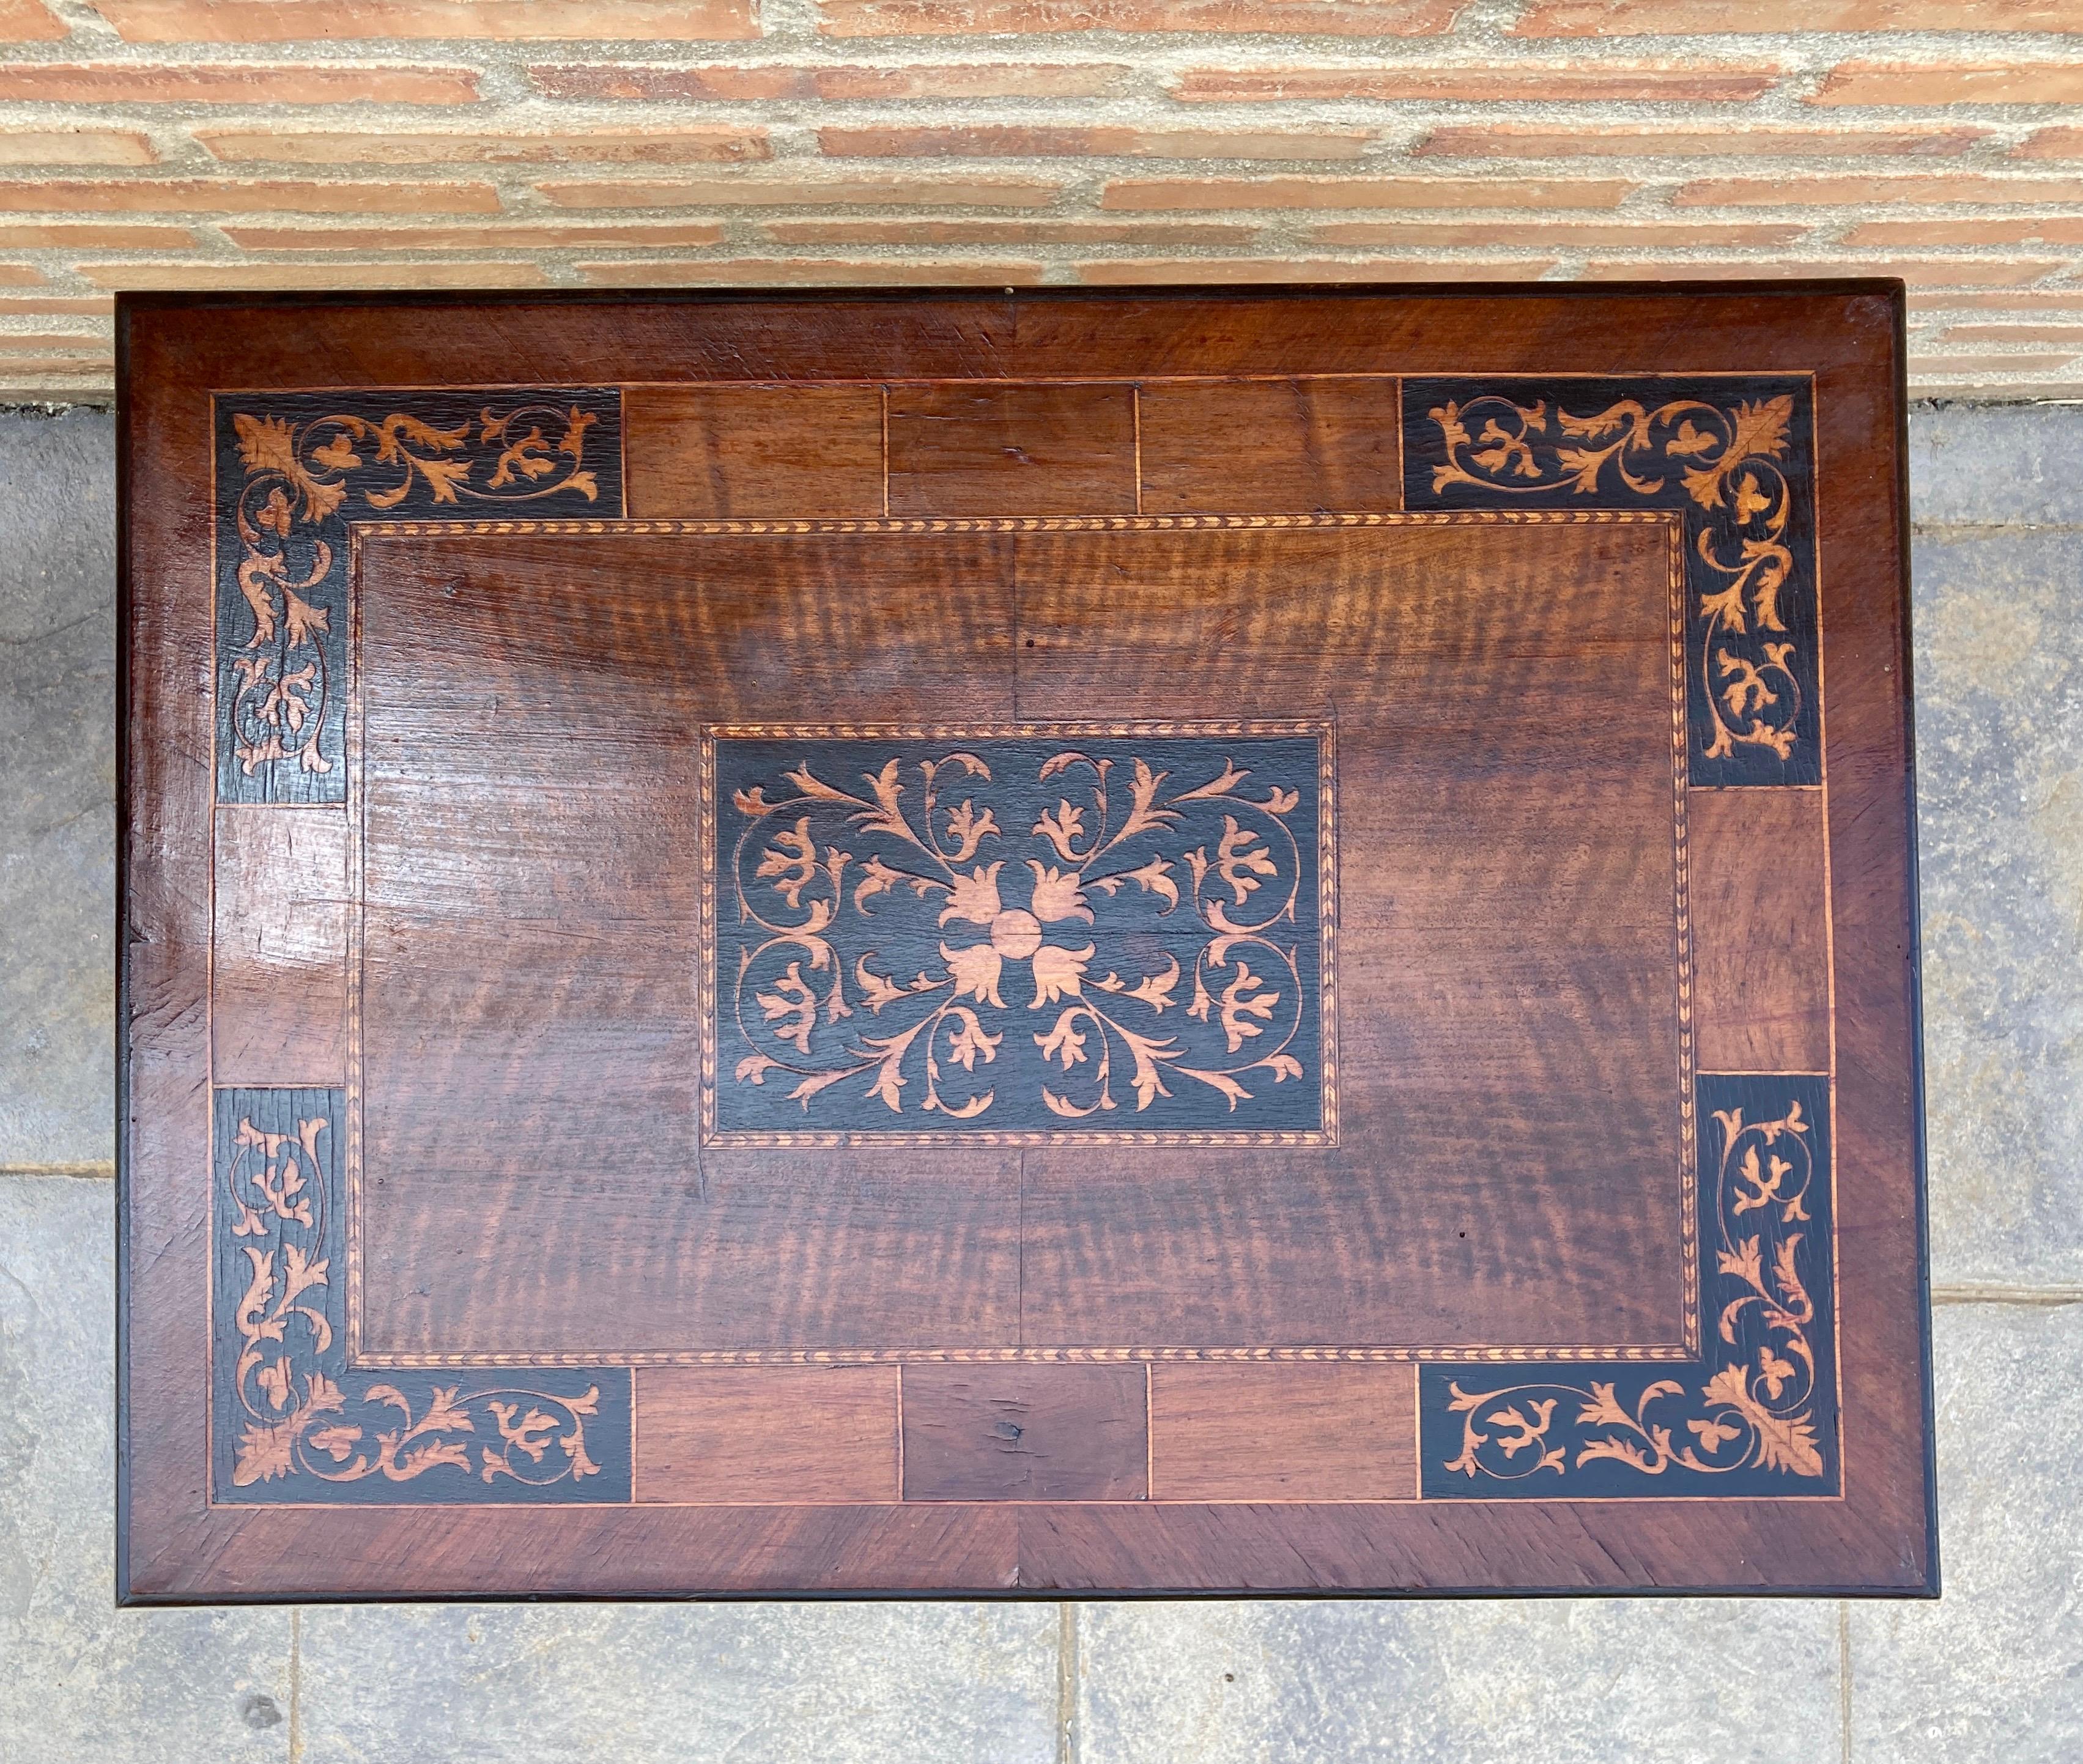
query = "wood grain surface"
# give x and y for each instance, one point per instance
(1012, 449)
(1307, 1431)
(1761, 955)
(1026, 1433)
(278, 984)
(1315, 444)
(814, 1435)
(1608, 1275)
(739, 451)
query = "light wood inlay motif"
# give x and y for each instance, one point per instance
(886, 910)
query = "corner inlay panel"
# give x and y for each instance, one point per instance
(1735, 456)
(1758, 1414)
(296, 1421)
(292, 472)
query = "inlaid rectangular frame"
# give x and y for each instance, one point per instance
(1225, 742)
(1831, 354)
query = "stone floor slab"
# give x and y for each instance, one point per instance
(1992, 1673)
(1566, 1682)
(2019, 464)
(58, 788)
(82, 1682)
(756, 1684)
(1999, 753)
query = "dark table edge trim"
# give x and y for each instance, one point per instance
(129, 302)
(120, 712)
(1031, 1595)
(1906, 661)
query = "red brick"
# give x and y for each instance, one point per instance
(728, 271)
(625, 80)
(1699, 83)
(1304, 18)
(2065, 142)
(28, 21)
(293, 21)
(52, 342)
(1082, 80)
(743, 192)
(1926, 190)
(49, 305)
(1016, 141)
(1043, 232)
(1929, 369)
(2071, 336)
(1649, 141)
(1932, 84)
(75, 147)
(1146, 193)
(21, 275)
(93, 235)
(203, 196)
(1115, 271)
(521, 236)
(341, 147)
(1556, 235)
(235, 83)
(1930, 272)
(275, 274)
(1997, 300)
(1689, 18)
(2049, 230)
(34, 370)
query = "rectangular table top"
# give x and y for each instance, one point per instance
(1020, 943)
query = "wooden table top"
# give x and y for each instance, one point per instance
(1020, 943)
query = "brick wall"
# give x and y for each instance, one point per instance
(281, 144)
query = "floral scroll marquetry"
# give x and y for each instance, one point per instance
(295, 1421)
(1756, 1414)
(1735, 458)
(293, 471)
(1030, 933)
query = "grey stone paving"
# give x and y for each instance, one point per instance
(58, 788)
(1998, 499)
(80, 1681)
(1994, 1672)
(1716, 1680)
(1995, 1668)
(767, 1684)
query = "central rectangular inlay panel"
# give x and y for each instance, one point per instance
(884, 913)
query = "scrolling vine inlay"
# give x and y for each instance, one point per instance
(294, 1421)
(293, 469)
(1025, 933)
(1757, 1414)
(1735, 456)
